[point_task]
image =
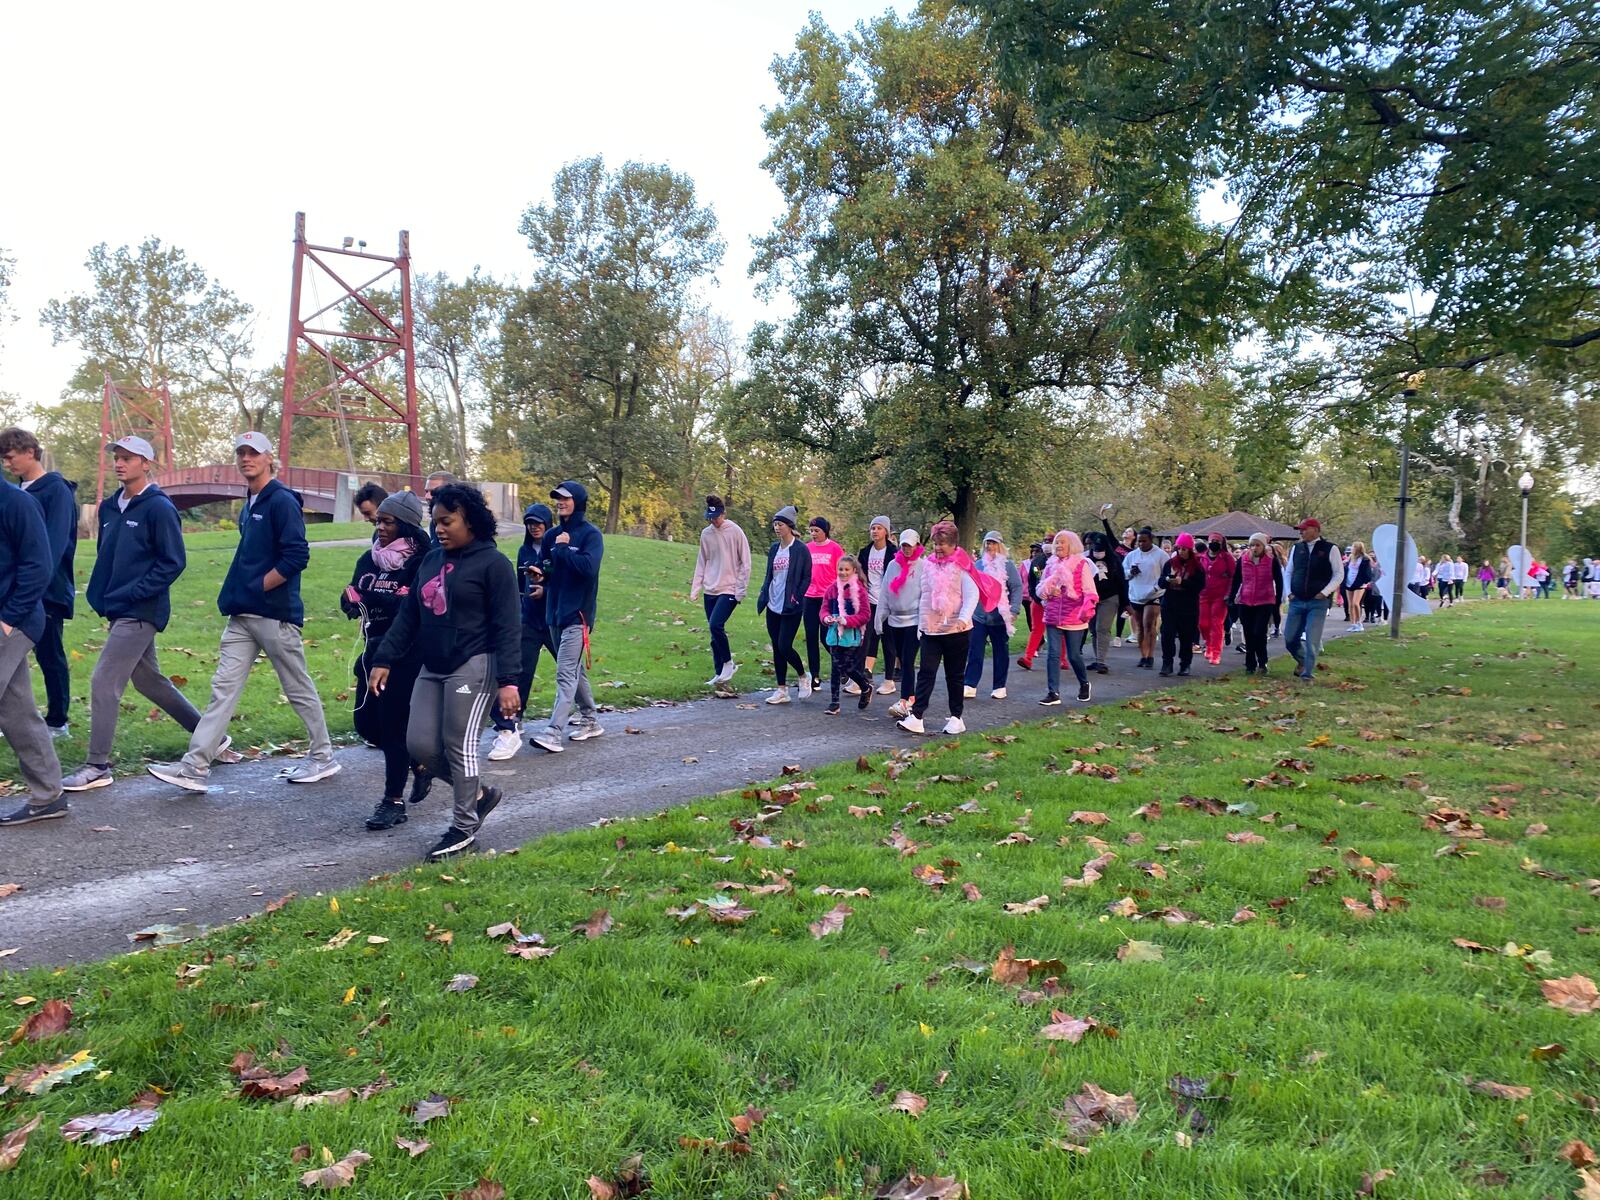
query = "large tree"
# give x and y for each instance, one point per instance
(458, 343)
(1449, 149)
(958, 292)
(590, 343)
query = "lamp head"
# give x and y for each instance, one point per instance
(1525, 483)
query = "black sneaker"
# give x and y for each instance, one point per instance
(387, 815)
(29, 813)
(1181, 671)
(1083, 692)
(1166, 669)
(863, 700)
(1147, 664)
(421, 785)
(833, 709)
(1051, 699)
(454, 841)
(1102, 669)
(488, 799)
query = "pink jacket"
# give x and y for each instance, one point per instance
(1067, 588)
(1256, 580)
(1219, 576)
(850, 609)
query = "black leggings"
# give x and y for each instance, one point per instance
(534, 639)
(1254, 619)
(1180, 630)
(951, 650)
(901, 642)
(382, 719)
(781, 628)
(813, 617)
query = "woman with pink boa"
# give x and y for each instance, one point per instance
(950, 592)
(1070, 599)
(994, 627)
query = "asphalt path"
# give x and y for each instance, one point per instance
(142, 853)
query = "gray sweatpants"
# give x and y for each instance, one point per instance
(572, 681)
(21, 724)
(1105, 621)
(129, 655)
(242, 639)
(447, 715)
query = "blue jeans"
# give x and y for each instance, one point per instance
(718, 610)
(1053, 637)
(994, 635)
(1302, 632)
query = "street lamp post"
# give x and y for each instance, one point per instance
(1525, 485)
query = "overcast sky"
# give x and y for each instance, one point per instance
(210, 125)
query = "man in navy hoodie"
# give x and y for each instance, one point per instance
(58, 498)
(137, 558)
(24, 575)
(570, 561)
(261, 599)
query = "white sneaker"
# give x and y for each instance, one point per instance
(971, 693)
(714, 680)
(312, 771)
(911, 724)
(506, 744)
(779, 696)
(852, 688)
(955, 725)
(998, 694)
(898, 709)
(589, 729)
(728, 668)
(805, 687)
(1117, 642)
(888, 687)
(1358, 627)
(548, 740)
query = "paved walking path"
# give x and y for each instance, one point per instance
(141, 853)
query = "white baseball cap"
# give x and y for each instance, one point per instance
(255, 441)
(134, 444)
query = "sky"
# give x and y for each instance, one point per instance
(211, 125)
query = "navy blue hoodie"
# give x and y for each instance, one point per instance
(529, 554)
(24, 562)
(272, 536)
(139, 556)
(572, 569)
(58, 498)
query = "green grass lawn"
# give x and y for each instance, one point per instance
(1342, 1033)
(649, 643)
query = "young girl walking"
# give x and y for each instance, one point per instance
(1070, 600)
(845, 612)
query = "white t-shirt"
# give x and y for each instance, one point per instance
(877, 560)
(780, 577)
(1142, 587)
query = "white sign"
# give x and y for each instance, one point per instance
(1522, 561)
(1383, 538)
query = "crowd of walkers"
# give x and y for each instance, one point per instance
(452, 632)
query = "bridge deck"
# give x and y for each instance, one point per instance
(318, 486)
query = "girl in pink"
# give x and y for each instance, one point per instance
(845, 612)
(1069, 595)
(1220, 567)
(825, 556)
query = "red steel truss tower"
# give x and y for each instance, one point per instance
(132, 408)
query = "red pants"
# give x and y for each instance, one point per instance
(1213, 616)
(1036, 635)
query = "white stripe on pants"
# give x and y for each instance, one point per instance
(447, 716)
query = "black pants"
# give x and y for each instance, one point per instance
(949, 649)
(534, 639)
(52, 658)
(1254, 619)
(718, 610)
(382, 720)
(847, 665)
(1180, 630)
(781, 629)
(872, 644)
(900, 643)
(813, 618)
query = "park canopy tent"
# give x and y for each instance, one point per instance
(1236, 527)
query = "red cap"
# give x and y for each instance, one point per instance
(1309, 523)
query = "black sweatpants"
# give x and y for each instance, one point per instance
(51, 655)
(950, 649)
(1180, 630)
(382, 720)
(781, 630)
(813, 619)
(1253, 620)
(534, 639)
(900, 647)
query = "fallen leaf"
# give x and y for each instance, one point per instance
(433, 1107)
(1500, 1091)
(461, 983)
(1066, 1028)
(908, 1102)
(99, 1129)
(923, 1187)
(13, 1143)
(831, 921)
(257, 1083)
(484, 1189)
(36, 1081)
(1087, 818)
(1248, 837)
(1243, 915)
(599, 923)
(413, 1148)
(871, 810)
(336, 1175)
(1139, 952)
(1574, 994)
(1371, 1180)
(971, 892)
(9, 889)
(52, 1018)
(744, 1122)
(1026, 907)
(1547, 1053)
(1092, 871)
(1576, 1152)
(1093, 1108)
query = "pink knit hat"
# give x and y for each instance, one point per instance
(1185, 541)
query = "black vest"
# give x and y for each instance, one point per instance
(1310, 573)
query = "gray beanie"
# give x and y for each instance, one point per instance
(789, 516)
(404, 507)
(887, 524)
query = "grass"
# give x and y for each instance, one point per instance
(649, 643)
(1343, 1043)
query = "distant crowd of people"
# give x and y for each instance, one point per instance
(452, 632)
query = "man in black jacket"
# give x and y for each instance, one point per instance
(24, 574)
(58, 500)
(138, 557)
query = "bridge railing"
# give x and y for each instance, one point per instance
(319, 481)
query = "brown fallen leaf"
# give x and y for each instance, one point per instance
(1009, 969)
(300, 1153)
(971, 892)
(1547, 1053)
(1243, 915)
(1576, 1152)
(1026, 907)
(99, 1129)
(1066, 1028)
(274, 905)
(908, 1102)
(1139, 952)
(744, 1122)
(599, 923)
(1590, 1185)
(1500, 1091)
(461, 983)
(1080, 817)
(1248, 838)
(923, 1187)
(1574, 994)
(1092, 871)
(9, 889)
(433, 1107)
(52, 1017)
(336, 1175)
(13, 1143)
(258, 1083)
(858, 812)
(412, 1148)
(1358, 909)
(1093, 1108)
(1371, 1180)
(831, 921)
(484, 1189)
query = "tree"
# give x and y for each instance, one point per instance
(457, 337)
(958, 294)
(589, 344)
(1453, 143)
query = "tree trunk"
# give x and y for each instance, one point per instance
(964, 512)
(614, 504)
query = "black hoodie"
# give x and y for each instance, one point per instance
(462, 603)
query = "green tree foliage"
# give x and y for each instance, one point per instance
(457, 339)
(590, 344)
(1452, 144)
(954, 279)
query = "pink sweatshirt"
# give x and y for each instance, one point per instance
(825, 558)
